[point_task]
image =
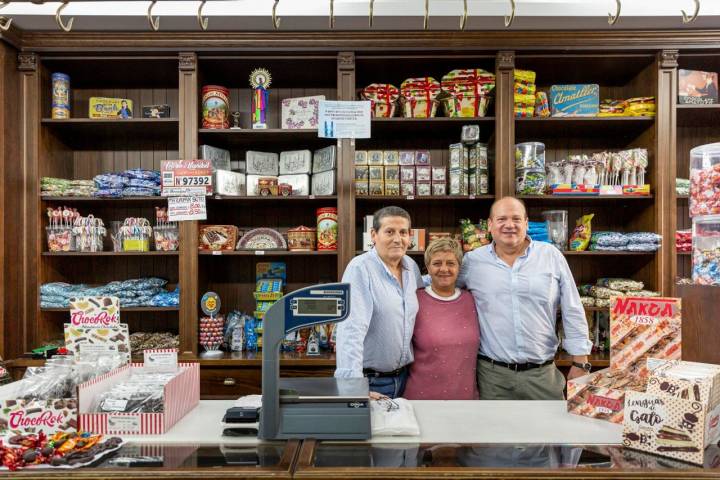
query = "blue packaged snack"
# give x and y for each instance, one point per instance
(251, 339)
(142, 174)
(140, 192)
(582, 100)
(643, 237)
(108, 192)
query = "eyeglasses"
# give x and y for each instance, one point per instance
(388, 404)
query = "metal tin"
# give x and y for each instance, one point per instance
(327, 228)
(301, 239)
(215, 107)
(60, 96)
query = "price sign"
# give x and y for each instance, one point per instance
(186, 208)
(186, 177)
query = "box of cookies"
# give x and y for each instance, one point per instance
(679, 414)
(640, 328)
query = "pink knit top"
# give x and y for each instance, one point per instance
(445, 343)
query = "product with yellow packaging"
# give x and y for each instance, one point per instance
(419, 97)
(467, 92)
(103, 107)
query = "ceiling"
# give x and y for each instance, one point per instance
(314, 15)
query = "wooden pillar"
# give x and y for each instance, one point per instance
(666, 167)
(700, 318)
(188, 148)
(504, 124)
(27, 249)
(345, 170)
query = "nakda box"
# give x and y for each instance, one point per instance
(180, 395)
(640, 328)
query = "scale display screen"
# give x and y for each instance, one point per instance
(317, 306)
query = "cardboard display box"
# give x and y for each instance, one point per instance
(640, 328)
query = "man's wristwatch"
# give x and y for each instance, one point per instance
(585, 366)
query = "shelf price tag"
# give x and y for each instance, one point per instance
(186, 177)
(411, 197)
(259, 252)
(471, 197)
(187, 208)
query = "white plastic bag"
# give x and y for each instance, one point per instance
(393, 417)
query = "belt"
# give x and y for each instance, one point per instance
(369, 372)
(518, 367)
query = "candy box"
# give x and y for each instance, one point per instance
(262, 163)
(102, 107)
(419, 97)
(376, 173)
(422, 157)
(376, 188)
(30, 416)
(295, 162)
(324, 183)
(407, 189)
(459, 156)
(219, 157)
(423, 173)
(375, 157)
(229, 183)
(439, 189)
(362, 173)
(640, 328)
(439, 174)
(361, 188)
(679, 414)
(696, 87)
(392, 188)
(180, 395)
(467, 92)
(361, 157)
(636, 190)
(383, 98)
(407, 174)
(407, 157)
(391, 157)
(156, 111)
(217, 237)
(325, 159)
(392, 174)
(575, 100)
(423, 189)
(300, 183)
(300, 112)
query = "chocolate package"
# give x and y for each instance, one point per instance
(640, 328)
(679, 414)
(697, 88)
(574, 100)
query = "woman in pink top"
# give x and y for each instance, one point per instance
(447, 333)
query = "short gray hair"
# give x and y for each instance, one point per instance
(443, 244)
(391, 211)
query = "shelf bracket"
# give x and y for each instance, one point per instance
(4, 21)
(370, 17)
(202, 20)
(58, 18)
(154, 22)
(275, 18)
(612, 20)
(509, 20)
(463, 19)
(426, 21)
(691, 18)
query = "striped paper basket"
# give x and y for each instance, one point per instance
(181, 394)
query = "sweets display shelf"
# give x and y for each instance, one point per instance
(163, 69)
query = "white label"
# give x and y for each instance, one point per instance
(95, 348)
(343, 119)
(411, 197)
(259, 252)
(114, 405)
(123, 424)
(217, 252)
(471, 197)
(159, 361)
(186, 208)
(312, 197)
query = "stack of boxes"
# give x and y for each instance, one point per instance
(469, 174)
(270, 278)
(524, 93)
(394, 173)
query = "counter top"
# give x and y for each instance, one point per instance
(497, 422)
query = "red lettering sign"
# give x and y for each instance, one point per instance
(81, 319)
(644, 307)
(20, 419)
(604, 402)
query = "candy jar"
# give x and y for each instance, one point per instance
(705, 180)
(706, 250)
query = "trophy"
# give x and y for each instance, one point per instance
(260, 81)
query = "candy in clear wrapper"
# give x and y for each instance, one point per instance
(530, 182)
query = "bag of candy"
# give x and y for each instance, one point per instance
(580, 238)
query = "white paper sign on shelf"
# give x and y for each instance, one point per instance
(119, 424)
(187, 208)
(161, 360)
(344, 119)
(180, 176)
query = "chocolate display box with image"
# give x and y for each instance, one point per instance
(679, 414)
(640, 328)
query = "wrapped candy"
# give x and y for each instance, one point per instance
(580, 238)
(542, 105)
(529, 182)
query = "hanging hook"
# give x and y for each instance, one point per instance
(372, 5)
(612, 20)
(690, 19)
(509, 20)
(202, 20)
(463, 19)
(275, 18)
(58, 19)
(154, 22)
(332, 14)
(6, 22)
(426, 21)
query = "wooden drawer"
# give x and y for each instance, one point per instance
(233, 382)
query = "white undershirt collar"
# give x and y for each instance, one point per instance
(432, 293)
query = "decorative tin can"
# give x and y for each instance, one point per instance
(327, 228)
(60, 95)
(215, 107)
(301, 239)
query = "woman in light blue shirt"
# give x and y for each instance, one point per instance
(375, 340)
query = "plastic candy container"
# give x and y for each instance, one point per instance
(706, 250)
(705, 180)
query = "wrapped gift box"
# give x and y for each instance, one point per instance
(640, 328)
(301, 112)
(419, 97)
(467, 92)
(383, 98)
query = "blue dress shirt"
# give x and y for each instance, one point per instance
(517, 306)
(378, 332)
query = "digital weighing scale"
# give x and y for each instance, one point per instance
(320, 408)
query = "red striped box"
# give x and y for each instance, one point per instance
(181, 394)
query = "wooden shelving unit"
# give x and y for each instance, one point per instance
(174, 71)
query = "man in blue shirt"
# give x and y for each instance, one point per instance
(518, 285)
(375, 340)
